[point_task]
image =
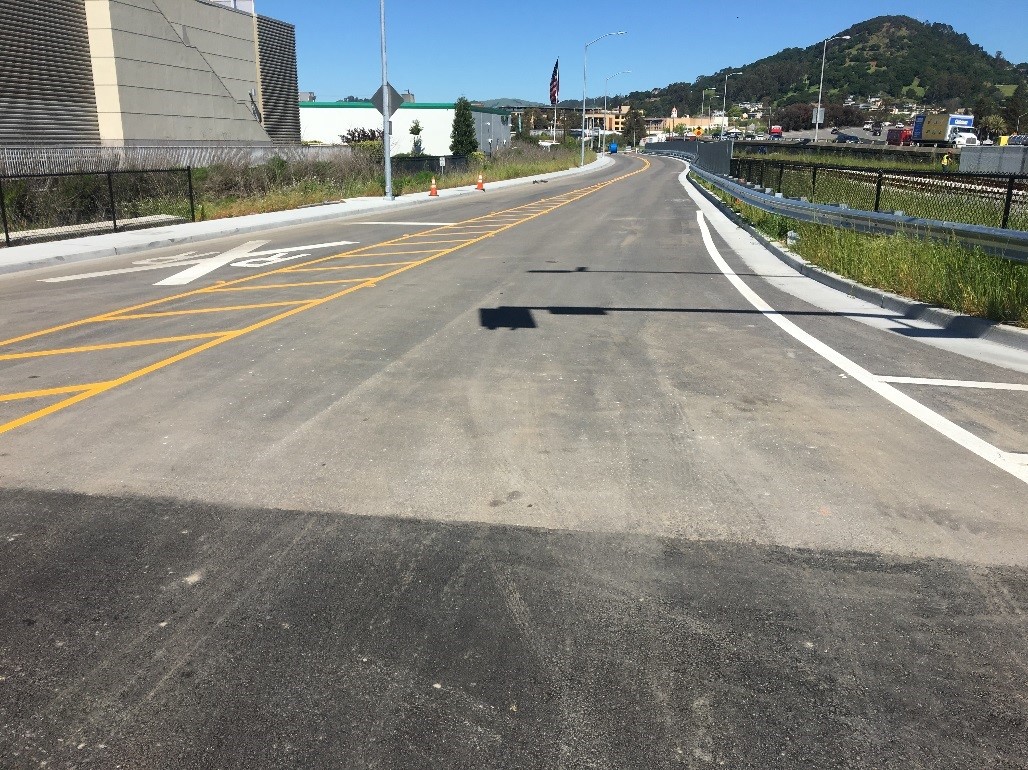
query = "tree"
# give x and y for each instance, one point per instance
(415, 131)
(635, 126)
(1015, 109)
(462, 138)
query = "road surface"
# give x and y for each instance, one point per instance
(560, 476)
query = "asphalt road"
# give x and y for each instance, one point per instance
(518, 481)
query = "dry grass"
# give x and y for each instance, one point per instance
(226, 191)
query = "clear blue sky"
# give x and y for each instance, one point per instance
(487, 50)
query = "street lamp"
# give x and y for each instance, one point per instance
(820, 88)
(605, 81)
(585, 57)
(1017, 123)
(703, 97)
(724, 106)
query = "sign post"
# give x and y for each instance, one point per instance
(386, 100)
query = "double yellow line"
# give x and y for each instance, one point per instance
(464, 234)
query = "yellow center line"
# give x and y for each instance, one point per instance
(110, 346)
(103, 387)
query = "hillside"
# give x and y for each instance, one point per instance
(891, 56)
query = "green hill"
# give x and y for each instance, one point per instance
(891, 56)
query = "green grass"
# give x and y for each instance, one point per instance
(885, 162)
(929, 203)
(942, 274)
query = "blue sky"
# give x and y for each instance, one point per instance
(488, 50)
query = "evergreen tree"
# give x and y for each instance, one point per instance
(462, 137)
(1015, 109)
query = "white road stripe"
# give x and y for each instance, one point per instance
(285, 249)
(955, 383)
(211, 264)
(187, 259)
(409, 224)
(1003, 460)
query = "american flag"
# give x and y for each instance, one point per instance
(555, 83)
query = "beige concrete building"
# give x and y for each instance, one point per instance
(146, 72)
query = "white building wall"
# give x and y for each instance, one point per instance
(326, 123)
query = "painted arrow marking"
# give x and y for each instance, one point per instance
(252, 259)
(209, 265)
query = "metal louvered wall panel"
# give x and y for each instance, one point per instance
(276, 46)
(46, 79)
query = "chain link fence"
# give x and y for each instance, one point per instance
(40, 207)
(62, 160)
(978, 199)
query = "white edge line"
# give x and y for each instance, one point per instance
(985, 450)
(954, 383)
(408, 224)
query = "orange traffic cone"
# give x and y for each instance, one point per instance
(480, 186)
(432, 192)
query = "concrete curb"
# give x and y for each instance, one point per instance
(962, 325)
(31, 256)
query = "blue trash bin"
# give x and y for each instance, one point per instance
(613, 146)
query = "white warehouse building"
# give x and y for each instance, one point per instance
(328, 122)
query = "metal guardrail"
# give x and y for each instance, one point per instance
(974, 199)
(1008, 244)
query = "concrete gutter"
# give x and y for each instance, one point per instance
(959, 324)
(35, 255)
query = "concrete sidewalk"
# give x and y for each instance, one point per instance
(34, 255)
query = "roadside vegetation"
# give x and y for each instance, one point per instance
(936, 273)
(229, 191)
(883, 162)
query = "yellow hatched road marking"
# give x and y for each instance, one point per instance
(110, 346)
(344, 267)
(285, 285)
(299, 307)
(199, 310)
(48, 392)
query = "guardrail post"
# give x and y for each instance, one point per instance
(878, 190)
(813, 185)
(1006, 205)
(110, 194)
(192, 202)
(3, 215)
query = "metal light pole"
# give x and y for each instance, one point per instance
(605, 81)
(703, 98)
(820, 88)
(724, 106)
(386, 109)
(585, 57)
